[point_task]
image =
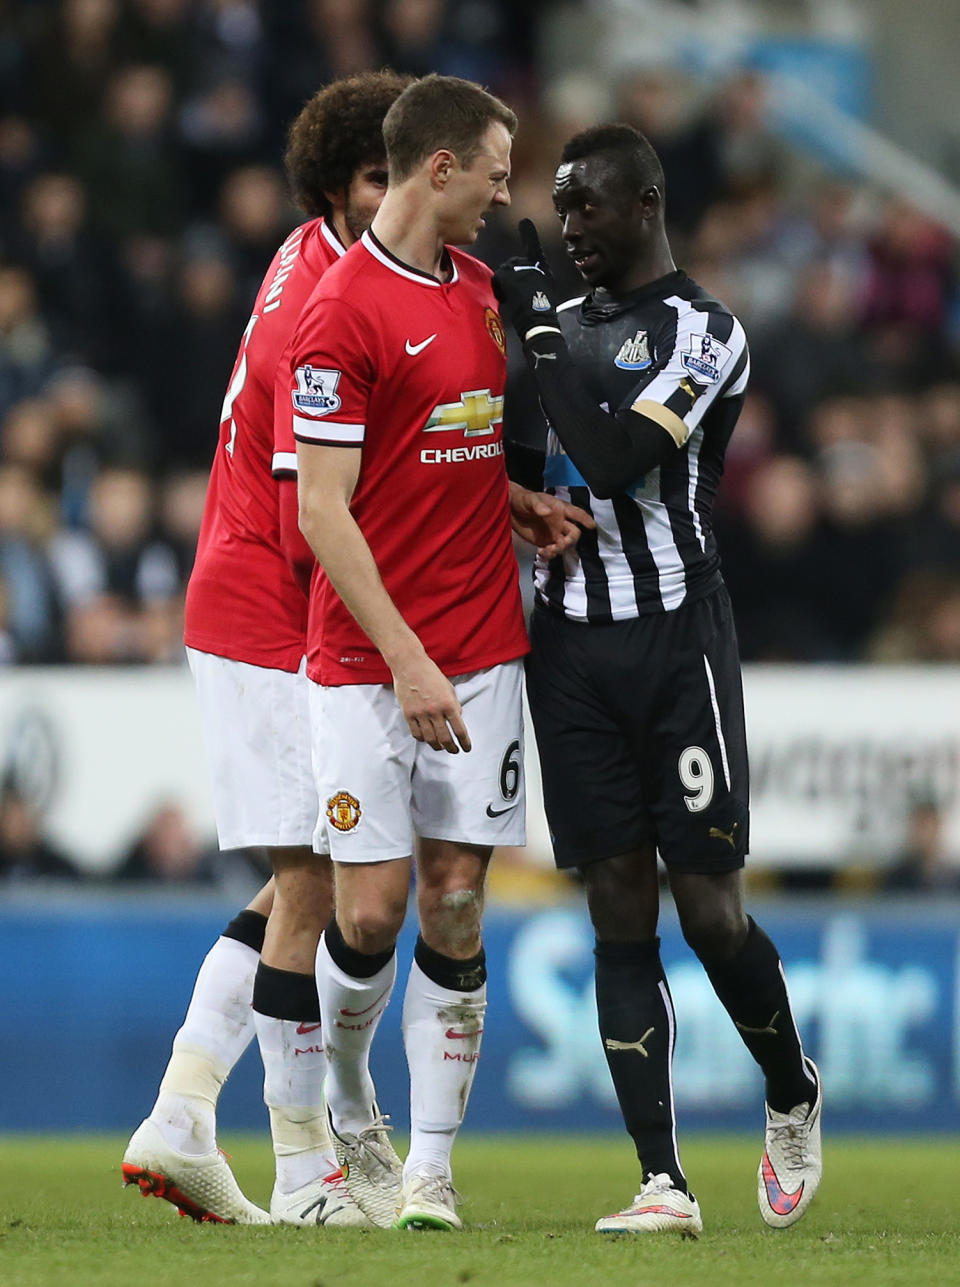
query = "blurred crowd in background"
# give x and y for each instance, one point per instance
(142, 197)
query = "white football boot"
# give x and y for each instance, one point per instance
(792, 1163)
(201, 1186)
(657, 1208)
(428, 1200)
(372, 1171)
(323, 1202)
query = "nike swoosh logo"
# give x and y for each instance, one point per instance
(414, 349)
(304, 1028)
(454, 1035)
(495, 813)
(355, 1014)
(781, 1201)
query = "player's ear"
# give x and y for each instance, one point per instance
(651, 199)
(441, 166)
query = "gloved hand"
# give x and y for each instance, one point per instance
(525, 288)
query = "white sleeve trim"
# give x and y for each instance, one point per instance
(328, 431)
(284, 462)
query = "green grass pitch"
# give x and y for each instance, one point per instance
(887, 1212)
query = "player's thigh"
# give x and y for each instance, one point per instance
(363, 758)
(477, 797)
(256, 731)
(701, 804)
(592, 788)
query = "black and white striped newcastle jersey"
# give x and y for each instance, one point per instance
(668, 345)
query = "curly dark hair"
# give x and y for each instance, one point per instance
(339, 130)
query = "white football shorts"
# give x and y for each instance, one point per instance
(256, 731)
(379, 787)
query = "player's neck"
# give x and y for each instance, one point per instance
(647, 268)
(407, 228)
(338, 226)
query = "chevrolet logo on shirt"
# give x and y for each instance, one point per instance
(475, 415)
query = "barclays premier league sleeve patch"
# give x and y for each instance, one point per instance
(705, 358)
(316, 391)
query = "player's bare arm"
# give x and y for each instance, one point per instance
(327, 477)
(547, 522)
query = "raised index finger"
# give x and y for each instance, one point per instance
(530, 241)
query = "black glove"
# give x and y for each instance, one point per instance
(525, 287)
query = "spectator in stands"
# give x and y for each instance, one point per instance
(26, 354)
(922, 865)
(182, 497)
(73, 49)
(861, 558)
(20, 160)
(74, 272)
(255, 217)
(772, 563)
(110, 572)
(128, 158)
(813, 354)
(29, 437)
(31, 620)
(189, 354)
(168, 852)
(25, 853)
(222, 128)
(164, 33)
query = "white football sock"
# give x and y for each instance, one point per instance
(441, 1035)
(351, 1010)
(216, 1031)
(294, 1067)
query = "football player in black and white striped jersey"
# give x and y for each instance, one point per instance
(634, 678)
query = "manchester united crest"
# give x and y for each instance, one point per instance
(495, 329)
(344, 811)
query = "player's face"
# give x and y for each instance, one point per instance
(601, 229)
(473, 191)
(361, 201)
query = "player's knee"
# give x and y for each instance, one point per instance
(452, 920)
(622, 898)
(372, 927)
(714, 933)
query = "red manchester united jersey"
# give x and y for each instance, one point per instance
(412, 370)
(243, 601)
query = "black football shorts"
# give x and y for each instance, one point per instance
(641, 736)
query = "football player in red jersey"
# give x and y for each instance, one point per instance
(246, 638)
(246, 616)
(397, 370)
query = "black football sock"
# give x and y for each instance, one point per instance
(286, 994)
(635, 1013)
(247, 927)
(753, 991)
